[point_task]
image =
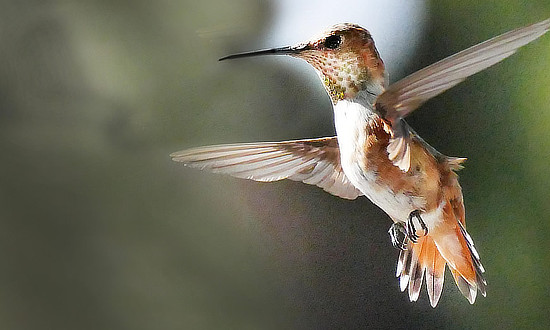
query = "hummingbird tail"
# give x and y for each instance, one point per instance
(419, 258)
(447, 244)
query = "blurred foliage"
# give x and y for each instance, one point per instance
(99, 229)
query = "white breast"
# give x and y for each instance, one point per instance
(351, 119)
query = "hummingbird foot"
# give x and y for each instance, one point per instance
(398, 235)
(411, 229)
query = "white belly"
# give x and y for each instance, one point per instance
(350, 120)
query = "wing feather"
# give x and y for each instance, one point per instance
(312, 161)
(406, 95)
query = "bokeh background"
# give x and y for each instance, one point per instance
(100, 230)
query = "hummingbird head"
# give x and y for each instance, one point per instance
(344, 57)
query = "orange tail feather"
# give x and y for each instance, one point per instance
(448, 243)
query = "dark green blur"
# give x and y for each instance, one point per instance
(100, 230)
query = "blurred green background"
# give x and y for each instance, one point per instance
(100, 230)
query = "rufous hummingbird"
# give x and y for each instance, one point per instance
(375, 153)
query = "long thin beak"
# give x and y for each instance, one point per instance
(289, 50)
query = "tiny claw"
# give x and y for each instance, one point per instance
(411, 229)
(398, 235)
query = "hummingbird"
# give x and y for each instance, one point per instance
(376, 154)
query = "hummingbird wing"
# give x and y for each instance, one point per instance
(406, 95)
(312, 161)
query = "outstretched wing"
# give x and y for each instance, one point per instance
(408, 94)
(312, 161)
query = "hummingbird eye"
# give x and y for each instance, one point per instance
(333, 41)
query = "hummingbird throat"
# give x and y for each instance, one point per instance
(343, 78)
